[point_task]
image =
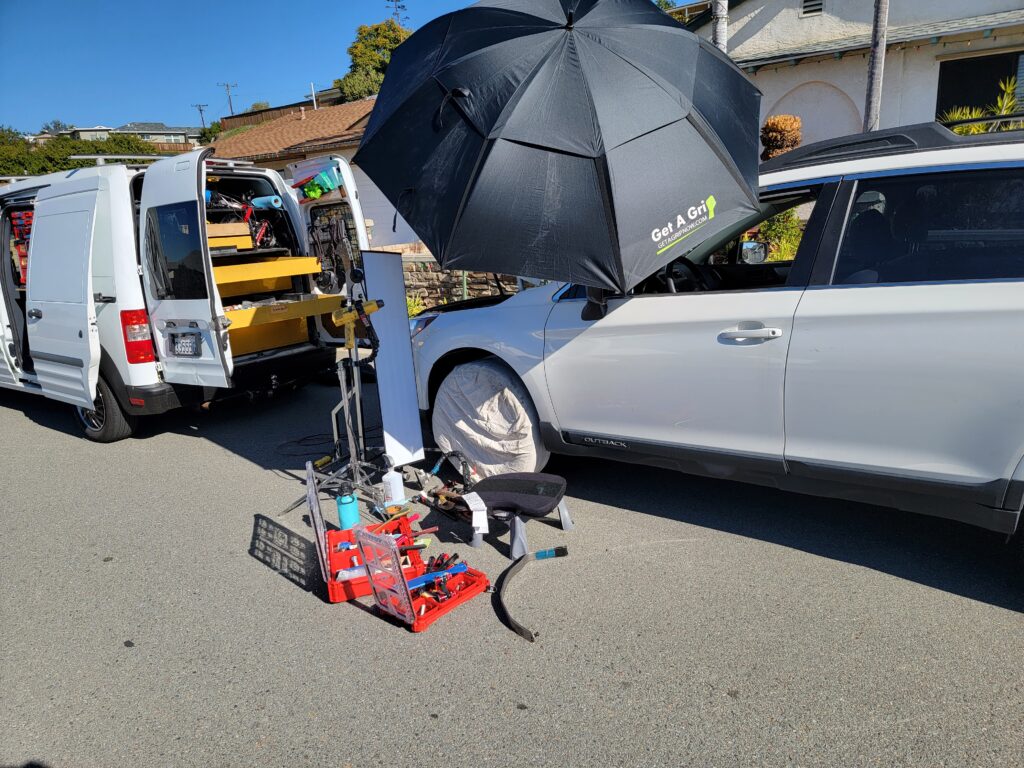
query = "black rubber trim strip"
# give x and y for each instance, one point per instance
(49, 357)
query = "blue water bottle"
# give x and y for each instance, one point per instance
(348, 511)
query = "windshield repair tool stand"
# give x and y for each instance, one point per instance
(355, 473)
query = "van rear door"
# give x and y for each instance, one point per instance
(336, 206)
(63, 337)
(190, 329)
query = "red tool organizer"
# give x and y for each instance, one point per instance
(21, 224)
(426, 607)
(340, 559)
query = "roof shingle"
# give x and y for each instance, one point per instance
(341, 124)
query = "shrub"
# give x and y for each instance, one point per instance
(779, 134)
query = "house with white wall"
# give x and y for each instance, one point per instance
(810, 57)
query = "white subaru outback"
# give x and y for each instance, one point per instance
(883, 362)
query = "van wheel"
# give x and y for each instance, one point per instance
(106, 422)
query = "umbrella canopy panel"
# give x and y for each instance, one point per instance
(584, 140)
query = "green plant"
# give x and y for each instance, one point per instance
(1005, 104)
(258, 105)
(782, 234)
(414, 305)
(210, 132)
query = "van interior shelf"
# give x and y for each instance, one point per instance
(281, 310)
(253, 253)
(267, 268)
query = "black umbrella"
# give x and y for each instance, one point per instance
(592, 141)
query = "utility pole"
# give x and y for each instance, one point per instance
(876, 65)
(227, 87)
(720, 24)
(397, 11)
(201, 107)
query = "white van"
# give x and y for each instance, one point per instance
(132, 292)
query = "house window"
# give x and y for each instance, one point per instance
(974, 82)
(811, 7)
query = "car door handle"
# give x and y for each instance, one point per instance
(35, 314)
(751, 333)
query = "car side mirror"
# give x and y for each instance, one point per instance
(753, 252)
(596, 306)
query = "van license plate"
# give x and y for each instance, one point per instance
(186, 344)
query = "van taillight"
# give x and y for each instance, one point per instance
(138, 342)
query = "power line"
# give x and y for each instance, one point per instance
(227, 88)
(201, 107)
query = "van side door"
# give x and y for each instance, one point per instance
(905, 370)
(190, 328)
(63, 337)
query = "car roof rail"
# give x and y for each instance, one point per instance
(891, 141)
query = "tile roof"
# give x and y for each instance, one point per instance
(339, 125)
(894, 35)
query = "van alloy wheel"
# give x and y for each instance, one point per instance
(94, 419)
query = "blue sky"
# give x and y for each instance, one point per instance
(109, 63)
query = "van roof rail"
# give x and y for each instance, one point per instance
(229, 162)
(102, 159)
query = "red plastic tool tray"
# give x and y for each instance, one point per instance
(464, 586)
(341, 591)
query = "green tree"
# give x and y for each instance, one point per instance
(258, 105)
(20, 158)
(55, 126)
(9, 134)
(210, 132)
(665, 5)
(370, 54)
(359, 84)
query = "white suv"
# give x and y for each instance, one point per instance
(883, 362)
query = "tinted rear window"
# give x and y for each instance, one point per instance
(174, 251)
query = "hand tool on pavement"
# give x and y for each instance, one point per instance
(511, 571)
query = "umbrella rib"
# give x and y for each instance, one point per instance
(634, 66)
(605, 176)
(712, 140)
(471, 184)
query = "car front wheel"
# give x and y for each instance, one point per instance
(106, 421)
(483, 410)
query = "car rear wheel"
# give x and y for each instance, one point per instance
(483, 411)
(106, 421)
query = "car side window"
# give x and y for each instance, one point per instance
(924, 228)
(759, 253)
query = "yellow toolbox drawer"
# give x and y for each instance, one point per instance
(259, 338)
(275, 313)
(263, 276)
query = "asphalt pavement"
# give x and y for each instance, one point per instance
(155, 610)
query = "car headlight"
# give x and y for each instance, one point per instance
(419, 323)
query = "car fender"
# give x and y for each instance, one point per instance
(1013, 499)
(512, 331)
